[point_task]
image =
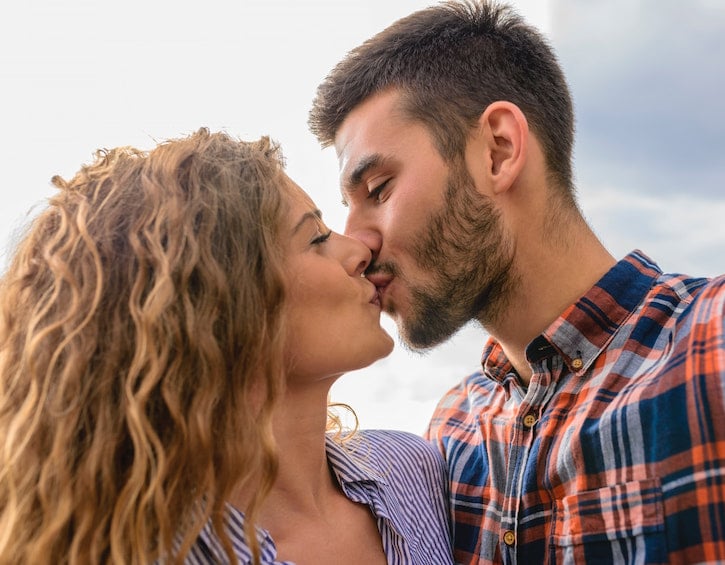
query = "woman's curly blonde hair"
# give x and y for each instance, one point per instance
(141, 340)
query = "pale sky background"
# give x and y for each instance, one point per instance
(647, 78)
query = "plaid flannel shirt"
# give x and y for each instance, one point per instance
(615, 452)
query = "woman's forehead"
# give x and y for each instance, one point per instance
(298, 195)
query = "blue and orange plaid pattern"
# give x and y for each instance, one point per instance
(615, 452)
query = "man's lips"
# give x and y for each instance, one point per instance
(381, 281)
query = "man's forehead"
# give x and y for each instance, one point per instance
(370, 116)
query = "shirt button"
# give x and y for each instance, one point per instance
(577, 363)
(529, 420)
(509, 537)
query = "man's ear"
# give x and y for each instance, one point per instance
(501, 144)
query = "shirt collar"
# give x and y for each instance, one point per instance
(348, 468)
(586, 327)
(234, 523)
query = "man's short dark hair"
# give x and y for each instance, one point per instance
(451, 61)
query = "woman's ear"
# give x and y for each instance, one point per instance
(500, 145)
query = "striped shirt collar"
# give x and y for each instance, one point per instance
(354, 477)
(585, 329)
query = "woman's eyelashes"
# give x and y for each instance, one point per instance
(377, 192)
(322, 238)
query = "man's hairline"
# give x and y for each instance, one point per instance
(402, 108)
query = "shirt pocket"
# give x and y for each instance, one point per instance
(623, 523)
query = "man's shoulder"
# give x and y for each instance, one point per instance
(474, 390)
(695, 300)
(705, 328)
(458, 410)
(712, 290)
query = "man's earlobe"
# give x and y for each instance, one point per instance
(505, 136)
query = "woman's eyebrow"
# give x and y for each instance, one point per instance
(312, 215)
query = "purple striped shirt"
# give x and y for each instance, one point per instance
(615, 452)
(400, 476)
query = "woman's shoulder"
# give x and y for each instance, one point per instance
(405, 449)
(402, 477)
(393, 440)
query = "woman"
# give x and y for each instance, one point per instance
(169, 331)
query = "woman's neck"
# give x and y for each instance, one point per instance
(304, 483)
(306, 512)
(299, 426)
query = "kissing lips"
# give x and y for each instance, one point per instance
(381, 281)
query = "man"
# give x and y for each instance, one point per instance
(595, 431)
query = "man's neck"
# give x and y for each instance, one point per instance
(551, 278)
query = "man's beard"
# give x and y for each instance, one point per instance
(471, 261)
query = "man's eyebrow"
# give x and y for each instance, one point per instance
(312, 215)
(364, 165)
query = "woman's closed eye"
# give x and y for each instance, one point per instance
(322, 238)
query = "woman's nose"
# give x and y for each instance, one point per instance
(369, 237)
(357, 256)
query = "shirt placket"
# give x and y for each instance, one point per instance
(523, 432)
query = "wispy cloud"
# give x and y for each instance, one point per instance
(648, 84)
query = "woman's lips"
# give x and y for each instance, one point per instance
(381, 281)
(376, 298)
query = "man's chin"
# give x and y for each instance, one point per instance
(421, 335)
(405, 337)
(417, 340)
(428, 331)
